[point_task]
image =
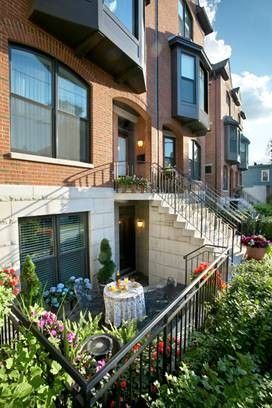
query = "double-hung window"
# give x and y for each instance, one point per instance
(57, 245)
(188, 78)
(203, 94)
(185, 20)
(49, 108)
(127, 13)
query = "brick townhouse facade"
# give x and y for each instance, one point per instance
(226, 146)
(87, 92)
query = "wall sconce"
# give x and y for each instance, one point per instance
(140, 143)
(140, 224)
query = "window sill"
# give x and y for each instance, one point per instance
(50, 160)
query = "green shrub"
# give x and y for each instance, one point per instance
(260, 226)
(106, 272)
(31, 286)
(233, 382)
(229, 364)
(264, 209)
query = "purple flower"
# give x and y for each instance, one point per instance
(41, 323)
(70, 337)
(53, 333)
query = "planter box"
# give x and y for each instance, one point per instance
(255, 253)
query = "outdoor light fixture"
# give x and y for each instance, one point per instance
(140, 143)
(140, 223)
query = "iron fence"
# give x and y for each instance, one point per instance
(157, 349)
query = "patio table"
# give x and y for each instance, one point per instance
(124, 305)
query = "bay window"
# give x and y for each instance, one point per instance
(188, 82)
(49, 108)
(126, 12)
(57, 245)
(203, 94)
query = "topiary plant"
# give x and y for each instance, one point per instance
(31, 285)
(105, 273)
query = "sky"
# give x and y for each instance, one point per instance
(243, 31)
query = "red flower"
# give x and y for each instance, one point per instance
(155, 355)
(161, 347)
(123, 384)
(1, 283)
(136, 347)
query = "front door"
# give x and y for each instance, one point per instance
(169, 151)
(122, 155)
(127, 238)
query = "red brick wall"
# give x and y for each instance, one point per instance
(15, 27)
(215, 143)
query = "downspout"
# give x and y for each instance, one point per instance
(157, 95)
(215, 133)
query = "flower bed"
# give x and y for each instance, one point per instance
(228, 365)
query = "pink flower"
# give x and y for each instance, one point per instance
(100, 364)
(70, 337)
(53, 333)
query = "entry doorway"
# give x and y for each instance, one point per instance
(125, 157)
(127, 239)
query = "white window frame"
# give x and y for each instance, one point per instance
(266, 171)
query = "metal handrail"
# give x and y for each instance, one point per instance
(201, 247)
(182, 299)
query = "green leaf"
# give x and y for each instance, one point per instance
(9, 363)
(55, 367)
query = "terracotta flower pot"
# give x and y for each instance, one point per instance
(133, 188)
(255, 253)
(142, 189)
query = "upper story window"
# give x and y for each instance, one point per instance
(126, 12)
(185, 20)
(265, 176)
(228, 101)
(203, 94)
(188, 78)
(49, 108)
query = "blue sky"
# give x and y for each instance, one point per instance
(243, 30)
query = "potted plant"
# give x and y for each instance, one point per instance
(142, 184)
(105, 273)
(134, 183)
(124, 182)
(256, 246)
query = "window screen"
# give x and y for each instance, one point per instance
(56, 244)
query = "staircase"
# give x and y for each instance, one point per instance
(198, 207)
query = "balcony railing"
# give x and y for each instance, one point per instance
(157, 349)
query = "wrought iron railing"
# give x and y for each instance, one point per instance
(157, 349)
(183, 196)
(206, 253)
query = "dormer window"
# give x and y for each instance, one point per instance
(126, 12)
(185, 20)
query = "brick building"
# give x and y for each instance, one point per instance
(90, 93)
(226, 146)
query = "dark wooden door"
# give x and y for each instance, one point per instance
(127, 238)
